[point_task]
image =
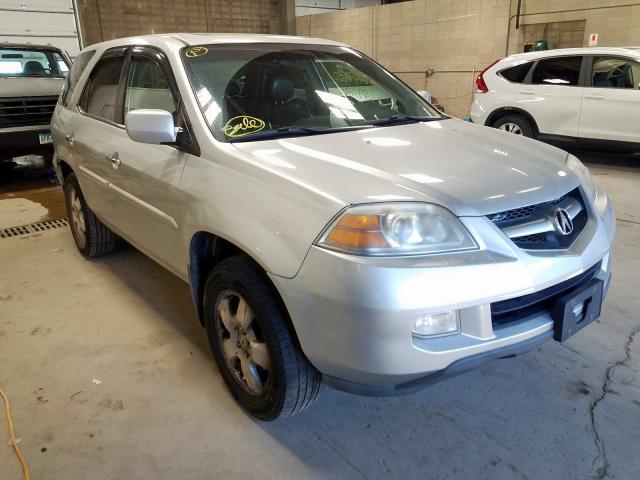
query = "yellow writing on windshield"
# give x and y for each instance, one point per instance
(242, 125)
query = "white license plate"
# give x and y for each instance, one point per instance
(45, 137)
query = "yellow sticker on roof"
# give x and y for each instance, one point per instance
(192, 52)
(242, 125)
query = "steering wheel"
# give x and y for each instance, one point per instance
(616, 73)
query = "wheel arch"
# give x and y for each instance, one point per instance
(505, 111)
(65, 169)
(206, 250)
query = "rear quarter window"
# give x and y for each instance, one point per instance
(78, 66)
(517, 73)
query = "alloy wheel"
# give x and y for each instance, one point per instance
(77, 217)
(242, 342)
(511, 128)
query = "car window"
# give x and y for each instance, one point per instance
(517, 73)
(246, 89)
(615, 72)
(557, 71)
(101, 94)
(79, 64)
(30, 62)
(147, 87)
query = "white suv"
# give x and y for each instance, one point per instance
(575, 97)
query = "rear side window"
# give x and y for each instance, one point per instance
(518, 73)
(557, 71)
(100, 97)
(79, 64)
(615, 72)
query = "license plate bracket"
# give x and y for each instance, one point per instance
(577, 309)
(45, 138)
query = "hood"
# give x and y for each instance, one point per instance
(30, 87)
(471, 170)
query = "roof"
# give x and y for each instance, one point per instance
(28, 45)
(634, 51)
(175, 41)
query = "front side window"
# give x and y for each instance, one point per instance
(615, 72)
(253, 90)
(147, 87)
(26, 62)
(557, 71)
(100, 97)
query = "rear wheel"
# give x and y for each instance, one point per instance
(257, 355)
(515, 124)
(92, 237)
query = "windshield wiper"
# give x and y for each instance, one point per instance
(295, 132)
(400, 119)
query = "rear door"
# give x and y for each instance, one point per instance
(552, 94)
(611, 100)
(146, 177)
(93, 134)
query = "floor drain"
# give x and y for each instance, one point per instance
(33, 228)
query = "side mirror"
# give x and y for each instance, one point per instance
(150, 126)
(424, 94)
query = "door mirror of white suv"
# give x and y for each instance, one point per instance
(150, 126)
(424, 94)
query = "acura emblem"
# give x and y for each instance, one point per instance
(563, 221)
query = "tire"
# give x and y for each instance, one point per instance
(92, 237)
(257, 354)
(515, 124)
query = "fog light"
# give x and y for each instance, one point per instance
(444, 323)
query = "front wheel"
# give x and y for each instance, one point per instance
(515, 124)
(257, 354)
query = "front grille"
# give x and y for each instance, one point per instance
(534, 227)
(16, 112)
(514, 309)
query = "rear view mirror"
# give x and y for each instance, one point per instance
(424, 94)
(150, 126)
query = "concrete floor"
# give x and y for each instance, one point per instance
(110, 377)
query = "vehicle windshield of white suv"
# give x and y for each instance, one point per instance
(32, 62)
(259, 91)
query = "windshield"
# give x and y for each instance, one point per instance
(256, 91)
(32, 62)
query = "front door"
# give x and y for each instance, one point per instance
(611, 101)
(147, 177)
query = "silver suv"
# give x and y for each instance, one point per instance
(333, 226)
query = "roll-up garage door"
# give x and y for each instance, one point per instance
(41, 22)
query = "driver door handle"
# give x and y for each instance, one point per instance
(527, 92)
(114, 158)
(69, 138)
(594, 97)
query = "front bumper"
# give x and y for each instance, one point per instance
(24, 139)
(353, 315)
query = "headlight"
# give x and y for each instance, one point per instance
(397, 229)
(577, 167)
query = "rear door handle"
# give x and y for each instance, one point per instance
(594, 97)
(527, 92)
(69, 138)
(114, 158)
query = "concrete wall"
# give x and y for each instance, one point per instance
(108, 19)
(455, 39)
